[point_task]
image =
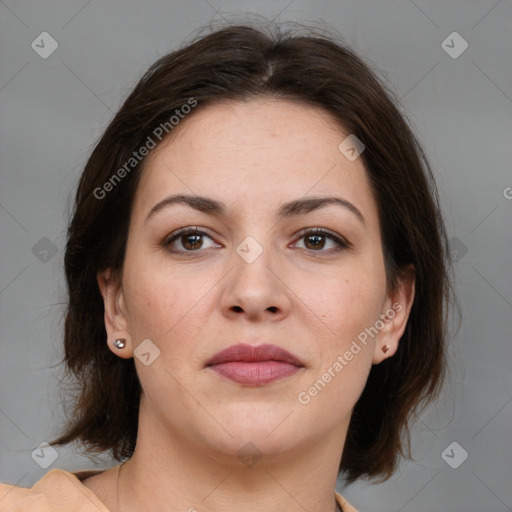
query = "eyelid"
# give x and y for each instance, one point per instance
(342, 242)
(186, 230)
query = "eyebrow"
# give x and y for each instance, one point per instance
(290, 209)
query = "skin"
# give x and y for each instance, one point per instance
(311, 300)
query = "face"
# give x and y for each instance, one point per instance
(255, 274)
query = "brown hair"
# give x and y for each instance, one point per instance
(237, 63)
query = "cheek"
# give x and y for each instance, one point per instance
(345, 302)
(163, 305)
(344, 350)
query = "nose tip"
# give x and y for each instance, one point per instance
(255, 290)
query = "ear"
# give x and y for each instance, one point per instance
(395, 314)
(116, 323)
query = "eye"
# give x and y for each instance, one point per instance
(189, 238)
(313, 240)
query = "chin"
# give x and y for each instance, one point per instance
(253, 442)
(272, 430)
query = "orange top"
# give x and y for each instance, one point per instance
(61, 491)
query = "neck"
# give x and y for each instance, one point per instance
(171, 473)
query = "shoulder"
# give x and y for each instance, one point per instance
(56, 491)
(344, 504)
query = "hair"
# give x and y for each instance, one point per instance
(241, 62)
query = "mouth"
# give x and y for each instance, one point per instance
(254, 365)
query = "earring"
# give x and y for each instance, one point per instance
(385, 348)
(120, 343)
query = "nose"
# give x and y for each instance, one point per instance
(256, 288)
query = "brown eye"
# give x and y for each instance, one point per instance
(315, 240)
(191, 242)
(190, 239)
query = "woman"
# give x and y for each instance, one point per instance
(258, 284)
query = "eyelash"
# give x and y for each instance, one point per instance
(341, 242)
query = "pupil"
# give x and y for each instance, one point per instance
(189, 237)
(318, 240)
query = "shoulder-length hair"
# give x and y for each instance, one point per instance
(241, 62)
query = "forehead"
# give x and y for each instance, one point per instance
(266, 127)
(255, 154)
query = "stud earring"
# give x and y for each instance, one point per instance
(385, 348)
(120, 343)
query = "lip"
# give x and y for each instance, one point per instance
(254, 365)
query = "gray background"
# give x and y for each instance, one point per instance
(54, 109)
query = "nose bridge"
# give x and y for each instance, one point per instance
(254, 227)
(253, 257)
(254, 284)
